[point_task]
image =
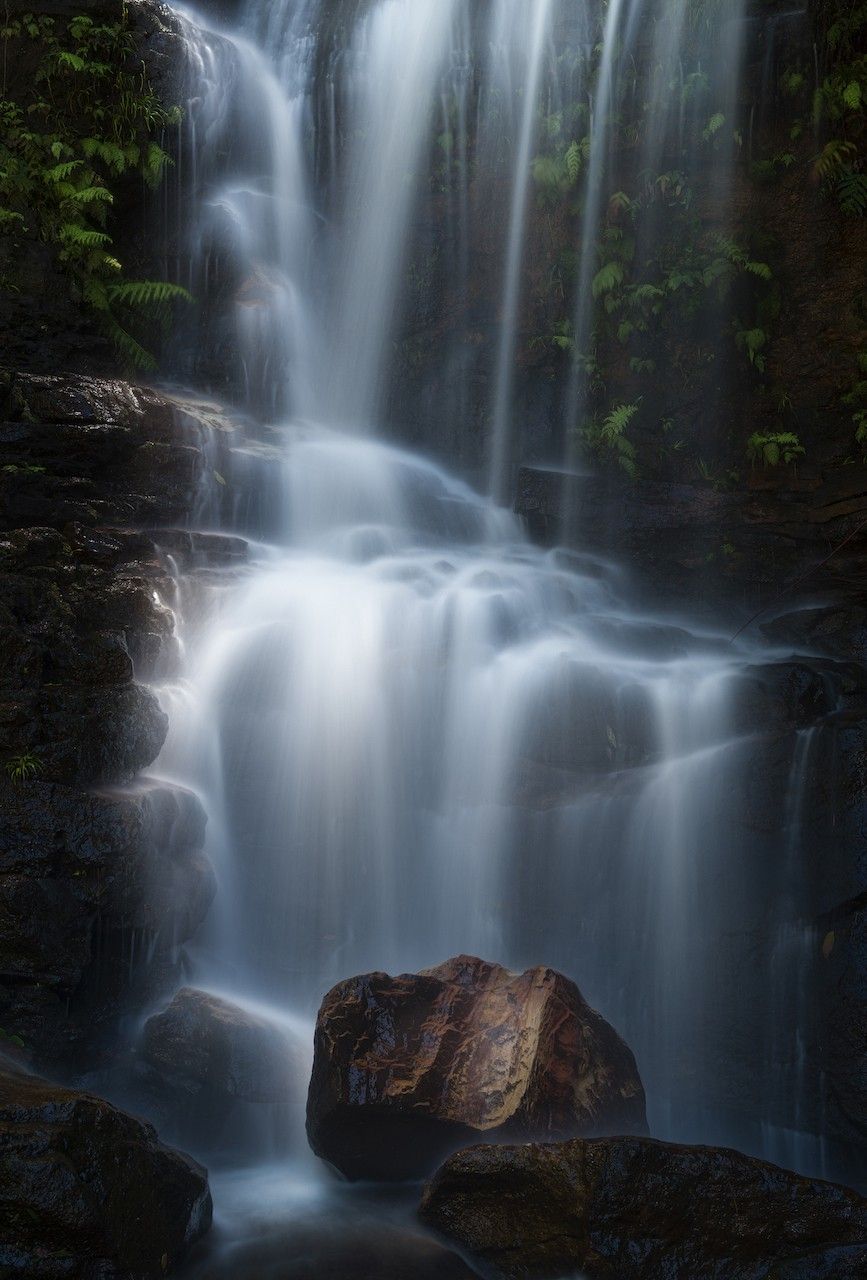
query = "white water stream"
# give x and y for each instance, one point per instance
(415, 733)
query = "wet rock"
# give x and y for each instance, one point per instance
(844, 1044)
(192, 550)
(580, 720)
(633, 1209)
(840, 631)
(102, 451)
(87, 1191)
(98, 891)
(781, 695)
(408, 1068)
(206, 1045)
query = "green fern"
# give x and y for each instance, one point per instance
(852, 194)
(713, 126)
(608, 278)
(90, 117)
(573, 161)
(145, 293)
(834, 156)
(772, 448)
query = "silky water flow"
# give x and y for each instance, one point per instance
(415, 733)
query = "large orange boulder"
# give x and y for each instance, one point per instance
(407, 1069)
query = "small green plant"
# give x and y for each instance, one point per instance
(753, 342)
(24, 768)
(610, 435)
(774, 448)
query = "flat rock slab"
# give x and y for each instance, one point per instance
(87, 1191)
(408, 1068)
(634, 1209)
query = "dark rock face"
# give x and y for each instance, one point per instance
(208, 1045)
(97, 893)
(100, 887)
(844, 1045)
(87, 1191)
(633, 1209)
(407, 1068)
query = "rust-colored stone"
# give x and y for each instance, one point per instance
(408, 1068)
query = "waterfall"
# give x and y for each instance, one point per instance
(540, 17)
(415, 732)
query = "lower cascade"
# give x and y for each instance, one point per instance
(464, 872)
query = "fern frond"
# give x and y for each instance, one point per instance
(143, 293)
(608, 278)
(91, 195)
(852, 194)
(60, 172)
(74, 233)
(573, 161)
(127, 346)
(834, 156)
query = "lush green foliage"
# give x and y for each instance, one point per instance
(772, 448)
(88, 119)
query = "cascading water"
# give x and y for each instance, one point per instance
(415, 733)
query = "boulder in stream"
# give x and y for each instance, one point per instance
(408, 1068)
(88, 1192)
(634, 1209)
(204, 1044)
(219, 1078)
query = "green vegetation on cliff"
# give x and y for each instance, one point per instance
(86, 122)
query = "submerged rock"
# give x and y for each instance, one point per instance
(87, 1191)
(206, 1045)
(634, 1209)
(408, 1068)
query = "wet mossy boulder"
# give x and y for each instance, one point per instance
(634, 1209)
(407, 1068)
(89, 1193)
(205, 1044)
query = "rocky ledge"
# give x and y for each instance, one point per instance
(634, 1209)
(103, 876)
(408, 1068)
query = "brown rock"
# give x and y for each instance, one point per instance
(408, 1068)
(633, 1209)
